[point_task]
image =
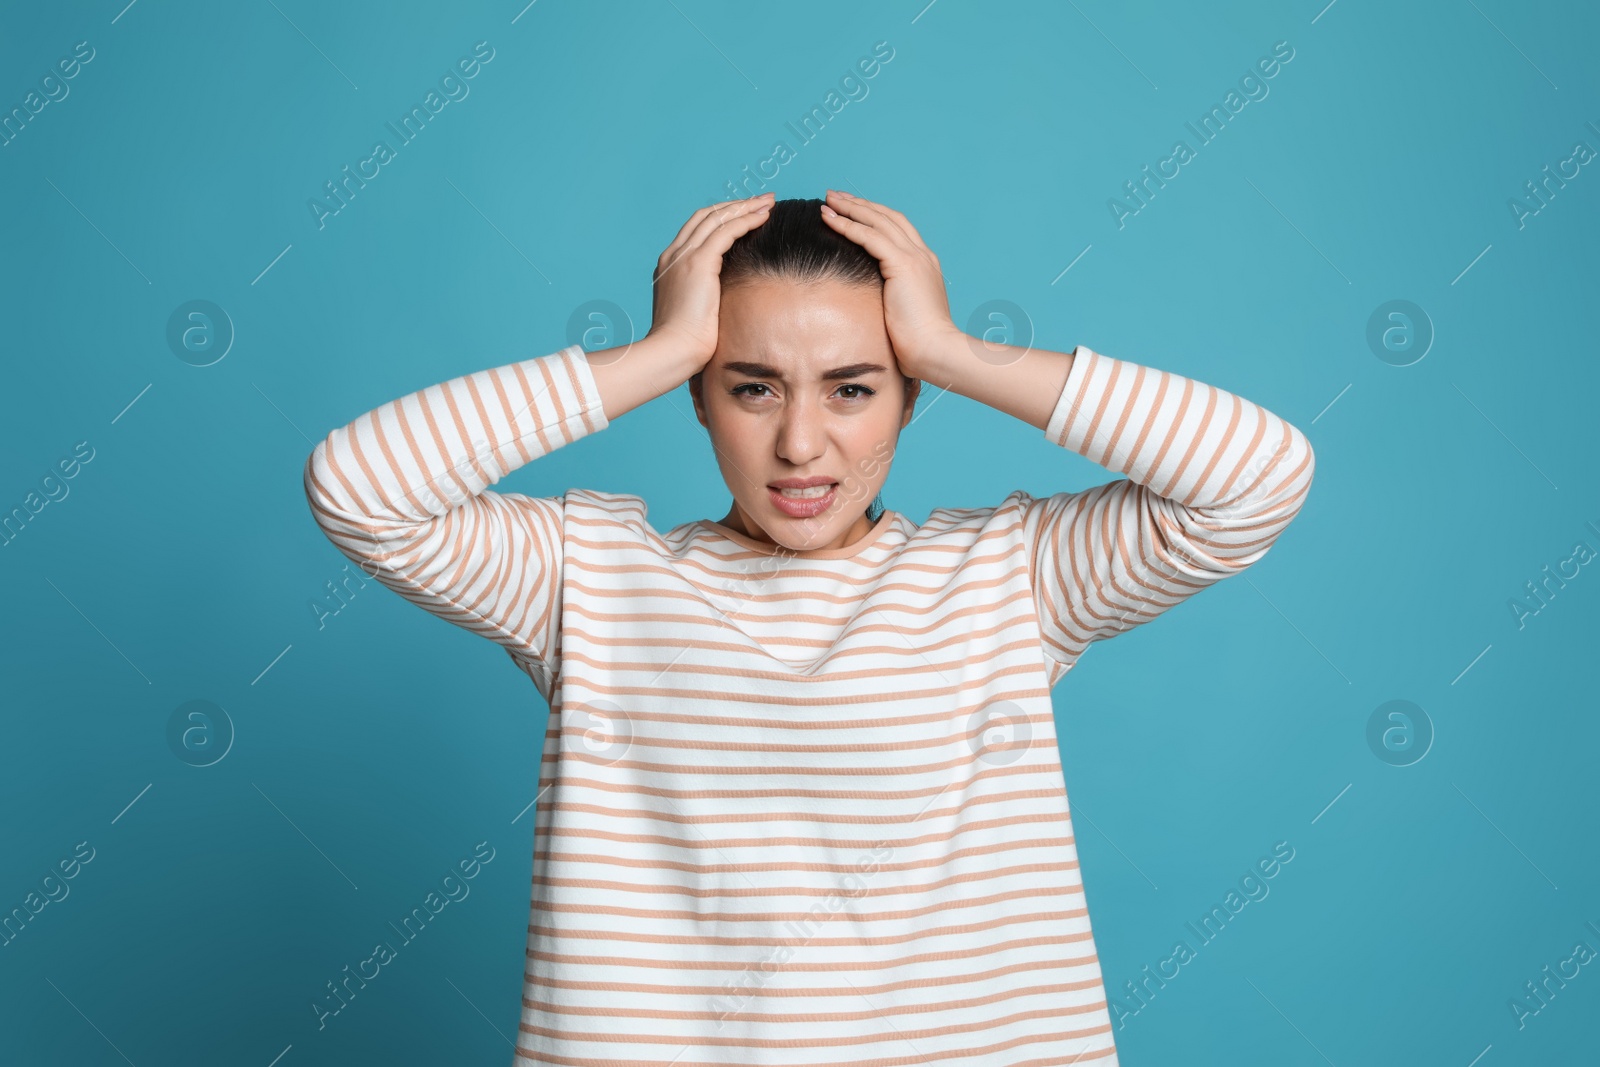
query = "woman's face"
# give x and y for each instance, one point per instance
(803, 386)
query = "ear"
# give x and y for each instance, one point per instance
(911, 402)
(696, 385)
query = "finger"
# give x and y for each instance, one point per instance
(707, 220)
(899, 220)
(742, 214)
(874, 239)
(904, 223)
(716, 232)
(908, 233)
(864, 210)
(697, 220)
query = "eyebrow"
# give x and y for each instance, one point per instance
(763, 370)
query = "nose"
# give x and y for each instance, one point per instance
(801, 436)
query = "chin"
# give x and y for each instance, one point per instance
(801, 534)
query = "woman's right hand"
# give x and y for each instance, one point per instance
(688, 278)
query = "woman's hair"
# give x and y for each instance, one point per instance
(795, 243)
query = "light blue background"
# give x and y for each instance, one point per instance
(374, 752)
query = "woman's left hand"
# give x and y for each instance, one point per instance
(916, 310)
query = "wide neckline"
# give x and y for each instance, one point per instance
(872, 537)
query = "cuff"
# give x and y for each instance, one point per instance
(1069, 422)
(586, 412)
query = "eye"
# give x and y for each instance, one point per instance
(861, 393)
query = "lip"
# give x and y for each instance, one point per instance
(802, 483)
(802, 509)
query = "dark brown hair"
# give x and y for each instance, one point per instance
(795, 244)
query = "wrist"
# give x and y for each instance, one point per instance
(943, 358)
(631, 375)
(672, 355)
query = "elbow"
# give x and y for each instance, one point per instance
(1280, 481)
(319, 481)
(1275, 489)
(1301, 465)
(313, 475)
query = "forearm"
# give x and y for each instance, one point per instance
(1021, 382)
(1193, 443)
(632, 375)
(1212, 480)
(1224, 462)
(415, 458)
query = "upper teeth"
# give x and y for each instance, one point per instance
(813, 491)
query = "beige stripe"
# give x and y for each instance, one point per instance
(1244, 455)
(1173, 427)
(895, 1036)
(553, 1060)
(1107, 391)
(555, 728)
(1072, 893)
(1223, 449)
(549, 762)
(1091, 366)
(706, 744)
(882, 656)
(812, 700)
(541, 878)
(1122, 416)
(572, 778)
(598, 859)
(565, 933)
(1162, 382)
(978, 951)
(569, 361)
(457, 557)
(1053, 818)
(514, 417)
(771, 1018)
(1195, 437)
(904, 628)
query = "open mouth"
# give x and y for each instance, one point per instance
(803, 502)
(809, 493)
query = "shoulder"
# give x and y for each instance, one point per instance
(967, 527)
(950, 520)
(601, 519)
(595, 507)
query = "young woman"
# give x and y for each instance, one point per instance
(800, 799)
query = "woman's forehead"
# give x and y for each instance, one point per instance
(803, 330)
(848, 365)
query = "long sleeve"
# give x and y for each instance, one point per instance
(1211, 481)
(403, 491)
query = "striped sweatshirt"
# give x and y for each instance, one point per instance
(805, 810)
